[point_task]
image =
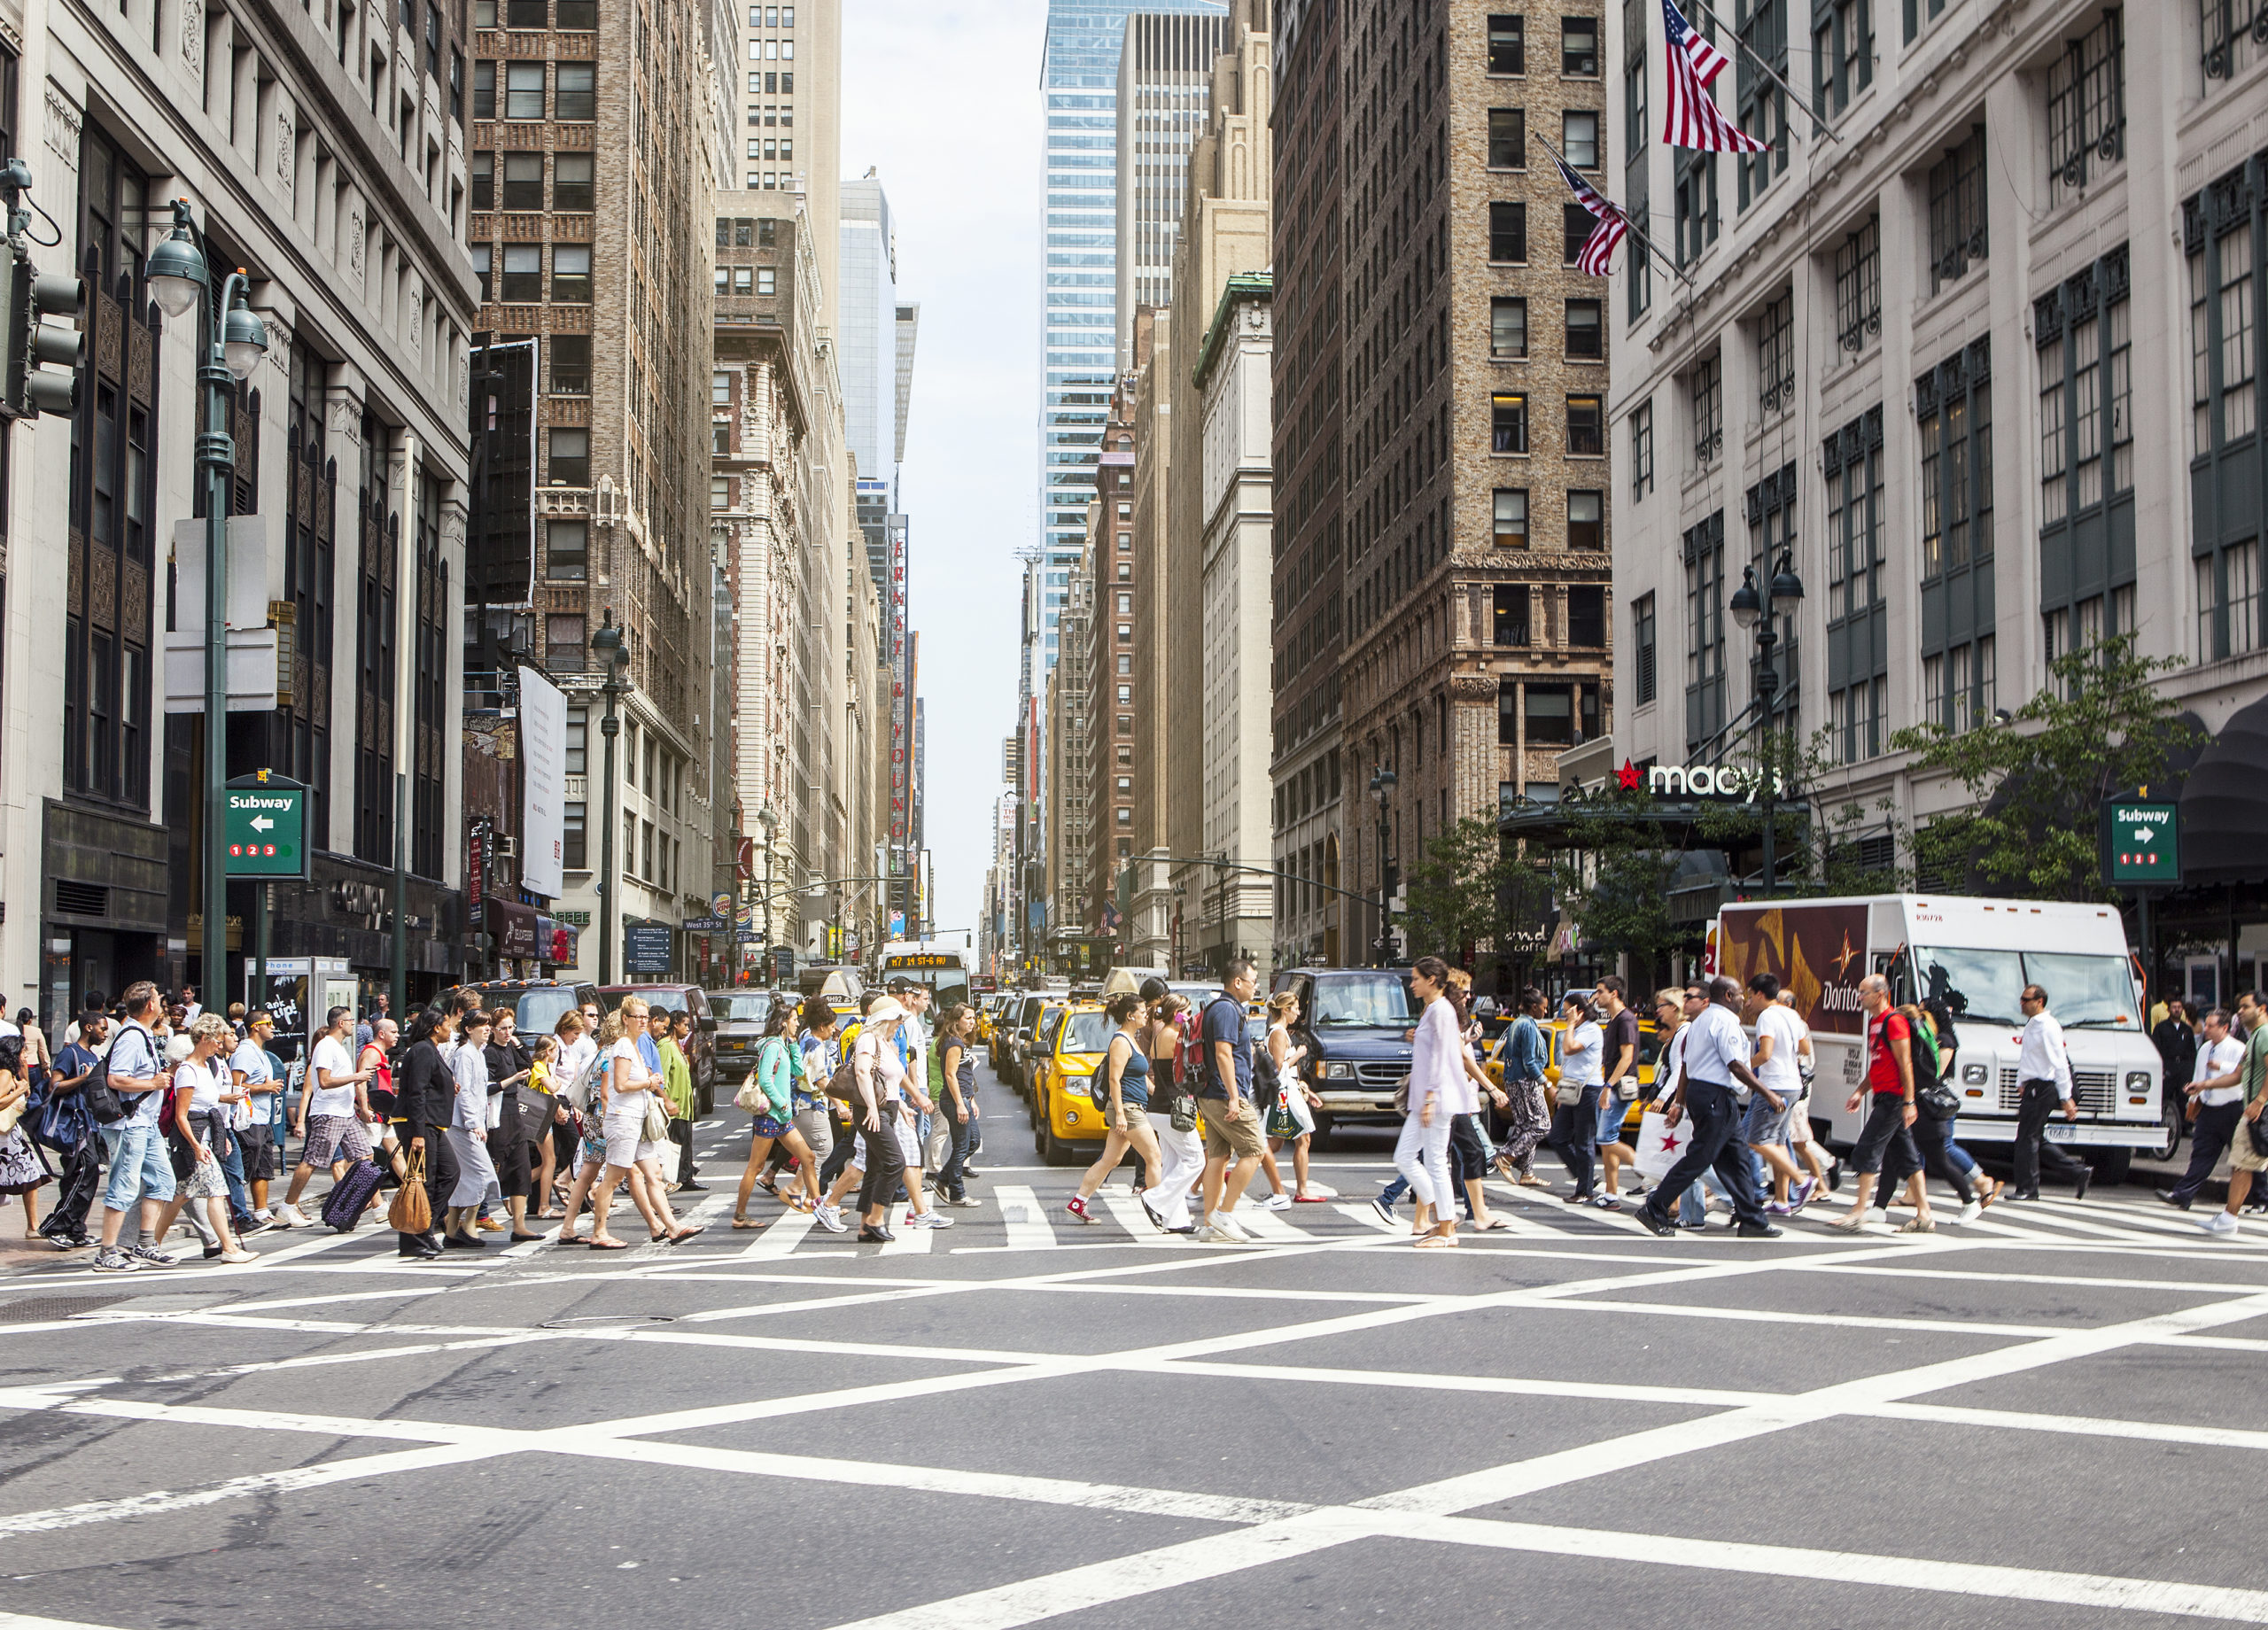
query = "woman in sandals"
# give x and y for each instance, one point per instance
(626, 1088)
(775, 1119)
(1436, 1076)
(1182, 1153)
(1125, 1104)
(469, 1134)
(956, 1102)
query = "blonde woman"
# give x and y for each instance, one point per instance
(1299, 1098)
(200, 1082)
(625, 1087)
(1123, 1097)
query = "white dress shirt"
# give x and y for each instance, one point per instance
(1436, 1058)
(2220, 1057)
(1713, 1041)
(2043, 1057)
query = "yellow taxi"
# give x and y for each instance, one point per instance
(1649, 1047)
(985, 1008)
(1067, 1051)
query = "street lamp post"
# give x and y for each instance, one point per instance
(768, 819)
(1382, 782)
(1752, 609)
(614, 656)
(231, 342)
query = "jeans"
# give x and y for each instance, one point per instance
(1573, 1125)
(2209, 1140)
(950, 1180)
(1932, 1142)
(1422, 1155)
(1715, 1120)
(2033, 1151)
(139, 1166)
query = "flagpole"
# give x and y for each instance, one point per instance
(1769, 73)
(1629, 221)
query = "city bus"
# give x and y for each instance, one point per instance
(948, 970)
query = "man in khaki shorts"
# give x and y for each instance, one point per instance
(1224, 1100)
(2245, 1158)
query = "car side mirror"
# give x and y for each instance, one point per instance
(704, 1024)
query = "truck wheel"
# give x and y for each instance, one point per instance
(2110, 1165)
(2169, 1136)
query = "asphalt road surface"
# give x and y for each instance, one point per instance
(2056, 1419)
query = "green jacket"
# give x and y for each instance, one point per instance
(677, 1081)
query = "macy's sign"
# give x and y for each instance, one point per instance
(1702, 781)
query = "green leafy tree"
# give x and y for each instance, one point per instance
(1819, 835)
(1614, 881)
(2036, 782)
(1470, 903)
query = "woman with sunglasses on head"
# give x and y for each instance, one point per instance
(1181, 1152)
(1574, 1123)
(1436, 1072)
(774, 1118)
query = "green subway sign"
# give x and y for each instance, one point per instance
(2141, 842)
(264, 828)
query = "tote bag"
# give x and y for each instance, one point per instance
(1660, 1144)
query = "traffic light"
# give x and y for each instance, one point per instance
(41, 310)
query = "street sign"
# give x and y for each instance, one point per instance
(264, 826)
(645, 948)
(2141, 842)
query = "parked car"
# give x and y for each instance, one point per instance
(536, 1004)
(1352, 1022)
(701, 1046)
(741, 1017)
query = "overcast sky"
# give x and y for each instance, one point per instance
(943, 101)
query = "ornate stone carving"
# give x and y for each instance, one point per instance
(192, 37)
(343, 413)
(354, 242)
(102, 595)
(62, 128)
(283, 144)
(137, 595)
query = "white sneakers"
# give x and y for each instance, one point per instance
(290, 1216)
(2220, 1224)
(1228, 1229)
(828, 1218)
(1279, 1201)
(928, 1218)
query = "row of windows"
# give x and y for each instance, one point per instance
(1508, 418)
(1508, 232)
(1578, 45)
(518, 271)
(771, 85)
(1585, 519)
(520, 185)
(1583, 336)
(767, 148)
(574, 91)
(747, 280)
(576, 14)
(1513, 625)
(1578, 138)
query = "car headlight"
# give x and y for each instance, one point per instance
(1339, 1069)
(2138, 1081)
(1974, 1075)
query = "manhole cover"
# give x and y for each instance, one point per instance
(39, 1309)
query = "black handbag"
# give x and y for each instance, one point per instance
(1936, 1100)
(2257, 1131)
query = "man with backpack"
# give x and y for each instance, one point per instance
(135, 1083)
(1225, 1099)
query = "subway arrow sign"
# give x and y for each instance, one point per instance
(2141, 842)
(264, 832)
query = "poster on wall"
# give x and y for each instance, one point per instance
(543, 815)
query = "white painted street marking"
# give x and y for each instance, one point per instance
(1026, 1218)
(785, 1233)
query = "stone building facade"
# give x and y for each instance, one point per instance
(1153, 701)
(323, 154)
(1476, 517)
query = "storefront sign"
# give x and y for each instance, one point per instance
(1732, 782)
(514, 925)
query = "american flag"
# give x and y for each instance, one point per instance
(1612, 227)
(1693, 118)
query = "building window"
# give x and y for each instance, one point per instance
(1507, 45)
(484, 90)
(767, 280)
(1559, 715)
(720, 388)
(1579, 47)
(1587, 519)
(1507, 138)
(1642, 646)
(578, 94)
(2086, 453)
(1858, 651)
(1775, 357)
(1575, 226)
(571, 274)
(573, 184)
(522, 90)
(1586, 433)
(1954, 418)
(483, 181)
(1914, 14)
(523, 181)
(1638, 267)
(1511, 517)
(2086, 107)
(1696, 179)
(1858, 287)
(1760, 105)
(1642, 449)
(1579, 139)
(1585, 329)
(1771, 514)
(2229, 623)
(2222, 315)
(1704, 624)
(570, 456)
(1957, 235)
(1509, 423)
(1706, 388)
(1587, 616)
(1510, 622)
(1842, 53)
(483, 269)
(523, 277)
(1507, 328)
(578, 14)
(720, 492)
(743, 279)
(522, 14)
(573, 853)
(1508, 233)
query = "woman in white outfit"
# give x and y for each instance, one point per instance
(626, 1088)
(1182, 1154)
(469, 1134)
(1436, 1073)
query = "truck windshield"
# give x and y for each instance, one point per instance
(2085, 992)
(742, 1007)
(1378, 1001)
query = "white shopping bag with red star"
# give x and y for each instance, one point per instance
(1659, 1144)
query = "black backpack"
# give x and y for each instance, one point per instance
(104, 1102)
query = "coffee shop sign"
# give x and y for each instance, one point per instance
(1732, 782)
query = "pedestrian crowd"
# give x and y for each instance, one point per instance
(168, 1114)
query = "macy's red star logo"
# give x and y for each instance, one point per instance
(1628, 776)
(1670, 1144)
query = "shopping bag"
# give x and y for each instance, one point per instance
(1660, 1144)
(411, 1212)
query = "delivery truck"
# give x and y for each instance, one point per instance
(1977, 955)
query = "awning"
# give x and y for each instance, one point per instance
(2225, 803)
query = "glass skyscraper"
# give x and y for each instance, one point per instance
(1080, 340)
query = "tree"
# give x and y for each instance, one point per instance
(1613, 882)
(1467, 898)
(2037, 780)
(1820, 838)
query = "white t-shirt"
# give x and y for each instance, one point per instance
(2220, 1057)
(572, 1057)
(1780, 1072)
(627, 1077)
(889, 1070)
(207, 1081)
(329, 1055)
(1580, 1064)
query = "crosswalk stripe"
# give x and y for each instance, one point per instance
(1269, 1224)
(1027, 1223)
(785, 1234)
(1130, 1217)
(909, 1241)
(1366, 1218)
